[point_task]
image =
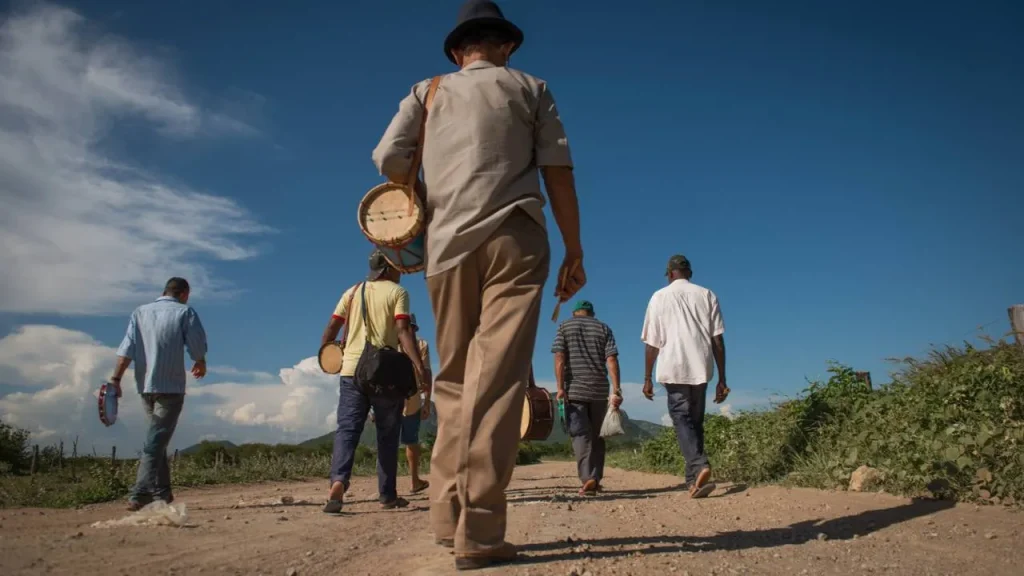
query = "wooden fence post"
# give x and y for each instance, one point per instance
(174, 459)
(35, 459)
(60, 457)
(74, 456)
(1016, 313)
(864, 377)
(113, 457)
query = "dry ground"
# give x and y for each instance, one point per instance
(643, 525)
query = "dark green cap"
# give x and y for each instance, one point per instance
(584, 305)
(677, 262)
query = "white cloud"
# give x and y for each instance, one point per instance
(666, 420)
(302, 399)
(73, 214)
(55, 374)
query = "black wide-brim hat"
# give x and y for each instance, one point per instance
(477, 14)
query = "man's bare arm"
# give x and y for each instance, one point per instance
(650, 357)
(120, 367)
(613, 371)
(407, 338)
(332, 330)
(561, 187)
(560, 371)
(718, 349)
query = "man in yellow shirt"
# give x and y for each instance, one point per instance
(417, 409)
(378, 310)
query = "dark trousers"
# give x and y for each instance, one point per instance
(585, 419)
(353, 408)
(686, 406)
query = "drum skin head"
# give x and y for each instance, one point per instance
(331, 357)
(384, 215)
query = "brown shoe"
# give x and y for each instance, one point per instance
(504, 554)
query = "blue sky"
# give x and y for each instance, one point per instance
(845, 176)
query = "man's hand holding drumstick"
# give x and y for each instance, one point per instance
(561, 188)
(571, 278)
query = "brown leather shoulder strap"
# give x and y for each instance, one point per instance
(417, 158)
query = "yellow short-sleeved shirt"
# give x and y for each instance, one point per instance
(386, 302)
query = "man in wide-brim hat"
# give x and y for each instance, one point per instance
(488, 130)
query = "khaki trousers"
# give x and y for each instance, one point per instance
(486, 310)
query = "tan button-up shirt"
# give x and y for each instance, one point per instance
(488, 130)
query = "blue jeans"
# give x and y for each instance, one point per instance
(153, 481)
(353, 408)
(686, 405)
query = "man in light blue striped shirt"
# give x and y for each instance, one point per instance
(158, 334)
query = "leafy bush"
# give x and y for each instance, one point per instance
(951, 425)
(14, 454)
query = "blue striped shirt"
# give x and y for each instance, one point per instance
(157, 336)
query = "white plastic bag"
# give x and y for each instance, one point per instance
(157, 513)
(612, 425)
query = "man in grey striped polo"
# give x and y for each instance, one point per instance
(585, 354)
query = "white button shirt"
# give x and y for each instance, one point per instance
(681, 320)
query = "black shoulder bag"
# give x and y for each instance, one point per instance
(383, 372)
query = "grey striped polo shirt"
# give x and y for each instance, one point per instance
(587, 343)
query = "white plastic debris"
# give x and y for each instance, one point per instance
(158, 513)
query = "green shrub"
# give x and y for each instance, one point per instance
(951, 425)
(14, 456)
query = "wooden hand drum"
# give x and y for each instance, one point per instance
(538, 415)
(331, 356)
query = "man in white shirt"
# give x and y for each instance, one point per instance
(683, 332)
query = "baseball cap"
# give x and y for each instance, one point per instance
(378, 265)
(584, 305)
(677, 262)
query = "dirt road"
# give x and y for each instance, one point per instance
(643, 525)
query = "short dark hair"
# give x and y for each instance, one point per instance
(176, 287)
(491, 36)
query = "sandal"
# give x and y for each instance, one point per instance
(396, 503)
(423, 486)
(333, 507)
(589, 488)
(702, 487)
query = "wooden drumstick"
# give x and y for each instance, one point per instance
(562, 280)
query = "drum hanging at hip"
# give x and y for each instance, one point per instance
(538, 415)
(331, 357)
(391, 217)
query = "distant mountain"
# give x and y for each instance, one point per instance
(217, 443)
(636, 431)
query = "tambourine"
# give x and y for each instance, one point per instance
(108, 404)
